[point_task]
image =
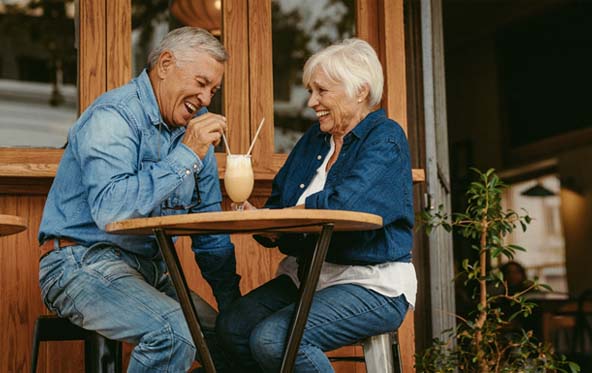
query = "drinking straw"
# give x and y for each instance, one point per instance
(256, 134)
(226, 144)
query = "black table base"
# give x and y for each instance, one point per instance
(306, 293)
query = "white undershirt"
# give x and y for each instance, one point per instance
(390, 279)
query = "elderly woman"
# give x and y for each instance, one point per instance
(354, 158)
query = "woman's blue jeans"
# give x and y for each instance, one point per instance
(254, 328)
(128, 298)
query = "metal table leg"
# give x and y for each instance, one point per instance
(306, 292)
(167, 248)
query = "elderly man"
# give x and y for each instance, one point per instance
(140, 150)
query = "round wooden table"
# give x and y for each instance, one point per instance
(323, 222)
(11, 224)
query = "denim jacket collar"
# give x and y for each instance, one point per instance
(368, 123)
(362, 128)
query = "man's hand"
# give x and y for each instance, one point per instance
(203, 131)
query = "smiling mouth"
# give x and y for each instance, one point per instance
(322, 113)
(190, 108)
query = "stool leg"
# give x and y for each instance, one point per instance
(35, 353)
(378, 354)
(397, 353)
(101, 355)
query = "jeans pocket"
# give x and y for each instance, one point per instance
(50, 289)
(107, 263)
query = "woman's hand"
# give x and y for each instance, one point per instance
(247, 206)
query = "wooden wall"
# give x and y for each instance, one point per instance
(20, 293)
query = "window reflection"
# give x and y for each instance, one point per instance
(301, 28)
(38, 97)
(544, 239)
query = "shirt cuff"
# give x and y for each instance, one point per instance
(183, 161)
(315, 201)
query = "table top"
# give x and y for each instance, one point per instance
(251, 221)
(11, 224)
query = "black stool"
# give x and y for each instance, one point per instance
(101, 355)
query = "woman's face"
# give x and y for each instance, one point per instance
(337, 112)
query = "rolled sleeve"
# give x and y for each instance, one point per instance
(183, 161)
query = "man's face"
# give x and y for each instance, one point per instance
(186, 85)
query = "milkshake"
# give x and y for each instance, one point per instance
(239, 178)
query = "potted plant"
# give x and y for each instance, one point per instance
(485, 340)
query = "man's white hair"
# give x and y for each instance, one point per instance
(185, 41)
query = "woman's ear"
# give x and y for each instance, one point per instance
(363, 93)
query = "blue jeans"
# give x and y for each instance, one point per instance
(128, 298)
(254, 328)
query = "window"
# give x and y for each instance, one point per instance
(543, 240)
(301, 28)
(38, 67)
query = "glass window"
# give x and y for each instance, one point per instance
(38, 64)
(301, 28)
(543, 240)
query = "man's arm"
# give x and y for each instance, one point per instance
(119, 186)
(214, 254)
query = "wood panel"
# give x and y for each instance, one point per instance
(236, 87)
(92, 46)
(119, 43)
(392, 55)
(366, 19)
(19, 289)
(261, 83)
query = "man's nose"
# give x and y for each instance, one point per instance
(204, 99)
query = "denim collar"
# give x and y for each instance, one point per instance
(368, 123)
(148, 100)
(362, 128)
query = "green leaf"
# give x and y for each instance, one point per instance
(573, 367)
(516, 248)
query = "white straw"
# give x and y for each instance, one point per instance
(226, 144)
(256, 134)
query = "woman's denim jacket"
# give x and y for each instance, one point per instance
(372, 174)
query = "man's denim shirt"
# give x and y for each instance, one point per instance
(372, 174)
(122, 161)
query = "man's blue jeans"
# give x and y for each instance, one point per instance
(253, 329)
(124, 297)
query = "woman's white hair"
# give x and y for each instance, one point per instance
(353, 63)
(184, 41)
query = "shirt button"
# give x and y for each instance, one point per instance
(319, 157)
(195, 166)
(301, 186)
(187, 172)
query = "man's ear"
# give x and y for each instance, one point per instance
(166, 61)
